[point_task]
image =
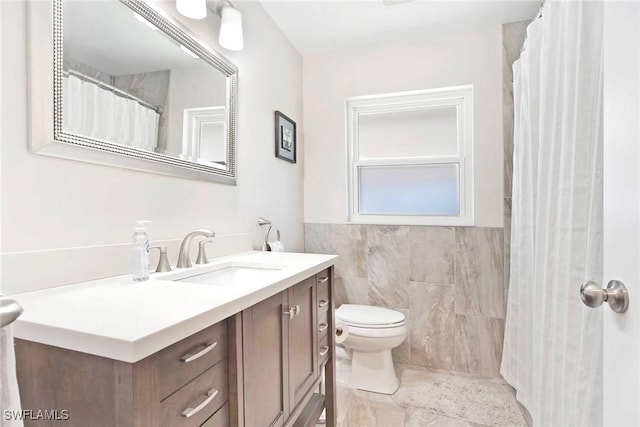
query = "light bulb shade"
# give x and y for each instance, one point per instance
(231, 29)
(194, 9)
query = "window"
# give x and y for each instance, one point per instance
(410, 157)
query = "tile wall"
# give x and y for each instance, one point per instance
(449, 282)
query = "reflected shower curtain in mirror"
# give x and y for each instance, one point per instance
(552, 350)
(102, 114)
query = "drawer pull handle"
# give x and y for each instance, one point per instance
(324, 350)
(323, 279)
(190, 357)
(189, 412)
(323, 302)
(323, 327)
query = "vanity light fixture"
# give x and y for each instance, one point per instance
(194, 9)
(230, 36)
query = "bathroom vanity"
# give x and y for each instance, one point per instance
(243, 341)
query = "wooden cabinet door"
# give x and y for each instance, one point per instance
(303, 340)
(266, 383)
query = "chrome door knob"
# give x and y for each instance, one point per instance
(615, 294)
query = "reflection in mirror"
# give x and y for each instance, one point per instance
(126, 82)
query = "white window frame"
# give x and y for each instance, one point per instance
(460, 97)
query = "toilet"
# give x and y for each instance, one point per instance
(371, 333)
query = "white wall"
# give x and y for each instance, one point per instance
(186, 91)
(473, 57)
(64, 221)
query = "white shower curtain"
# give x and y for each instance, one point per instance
(553, 343)
(92, 111)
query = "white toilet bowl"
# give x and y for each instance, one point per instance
(371, 334)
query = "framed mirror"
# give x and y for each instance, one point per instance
(127, 85)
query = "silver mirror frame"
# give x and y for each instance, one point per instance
(45, 89)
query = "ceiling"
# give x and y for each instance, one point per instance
(323, 25)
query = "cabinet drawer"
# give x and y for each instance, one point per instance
(219, 419)
(323, 349)
(183, 361)
(323, 324)
(199, 399)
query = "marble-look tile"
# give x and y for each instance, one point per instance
(426, 418)
(344, 396)
(432, 252)
(341, 296)
(402, 353)
(507, 249)
(389, 416)
(432, 330)
(473, 400)
(152, 87)
(513, 35)
(479, 271)
(343, 367)
(507, 131)
(317, 239)
(350, 242)
(351, 290)
(428, 398)
(479, 345)
(361, 413)
(388, 265)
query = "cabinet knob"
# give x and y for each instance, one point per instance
(291, 312)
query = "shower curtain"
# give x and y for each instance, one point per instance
(92, 111)
(552, 351)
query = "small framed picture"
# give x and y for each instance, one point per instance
(285, 138)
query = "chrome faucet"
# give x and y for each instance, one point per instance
(261, 222)
(183, 257)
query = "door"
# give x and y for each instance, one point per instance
(265, 343)
(622, 209)
(303, 340)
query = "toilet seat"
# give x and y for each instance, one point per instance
(369, 317)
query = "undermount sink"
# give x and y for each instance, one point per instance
(231, 273)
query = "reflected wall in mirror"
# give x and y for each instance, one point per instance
(131, 80)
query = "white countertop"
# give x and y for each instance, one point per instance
(128, 321)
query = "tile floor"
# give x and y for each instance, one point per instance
(428, 398)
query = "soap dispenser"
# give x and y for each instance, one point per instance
(140, 252)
